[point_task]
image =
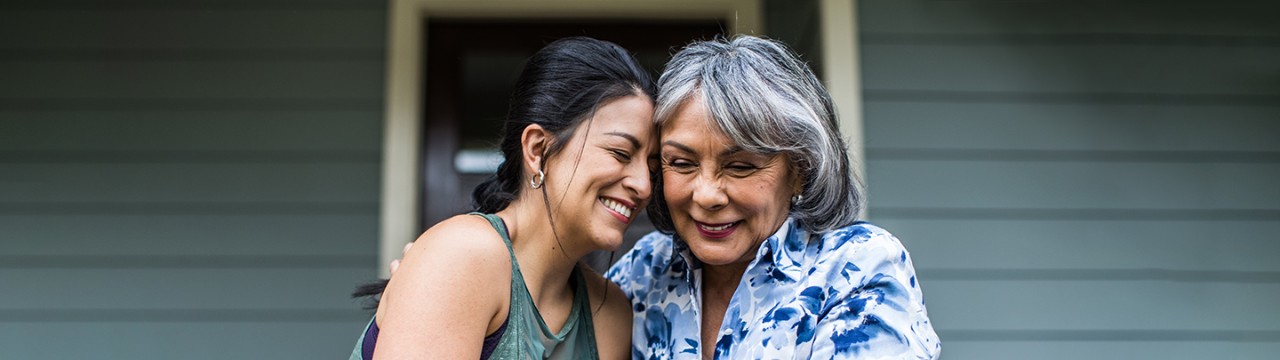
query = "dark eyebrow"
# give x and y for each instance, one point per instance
(727, 152)
(731, 151)
(635, 143)
(678, 146)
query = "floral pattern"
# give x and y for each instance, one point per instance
(849, 293)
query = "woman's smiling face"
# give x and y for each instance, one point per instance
(600, 181)
(724, 201)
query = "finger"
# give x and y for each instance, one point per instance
(395, 264)
(406, 248)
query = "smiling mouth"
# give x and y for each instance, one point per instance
(617, 207)
(716, 231)
(713, 228)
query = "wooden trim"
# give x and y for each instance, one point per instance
(840, 67)
(399, 208)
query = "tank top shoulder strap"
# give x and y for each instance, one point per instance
(583, 338)
(583, 301)
(501, 227)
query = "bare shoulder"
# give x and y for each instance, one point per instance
(465, 245)
(432, 299)
(463, 231)
(611, 315)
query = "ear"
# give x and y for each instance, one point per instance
(797, 179)
(534, 143)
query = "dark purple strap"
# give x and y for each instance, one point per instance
(371, 340)
(491, 341)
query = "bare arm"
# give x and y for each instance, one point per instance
(432, 308)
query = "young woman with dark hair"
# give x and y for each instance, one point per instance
(506, 280)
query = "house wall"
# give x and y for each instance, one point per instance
(200, 179)
(187, 180)
(1081, 179)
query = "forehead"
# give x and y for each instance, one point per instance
(630, 114)
(692, 123)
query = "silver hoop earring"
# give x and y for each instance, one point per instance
(537, 179)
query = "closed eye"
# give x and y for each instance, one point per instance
(680, 165)
(740, 169)
(621, 155)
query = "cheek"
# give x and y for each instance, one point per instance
(761, 197)
(675, 190)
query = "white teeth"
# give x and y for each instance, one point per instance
(616, 206)
(717, 228)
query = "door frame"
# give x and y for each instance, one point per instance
(399, 208)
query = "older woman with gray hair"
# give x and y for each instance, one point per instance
(759, 254)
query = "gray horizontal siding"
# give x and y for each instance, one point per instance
(1102, 305)
(193, 79)
(242, 287)
(1058, 68)
(195, 340)
(1089, 246)
(928, 124)
(189, 182)
(116, 26)
(1101, 345)
(190, 131)
(1073, 184)
(1081, 180)
(188, 179)
(1240, 18)
(168, 235)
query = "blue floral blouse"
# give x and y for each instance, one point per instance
(849, 293)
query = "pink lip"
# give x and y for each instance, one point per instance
(702, 230)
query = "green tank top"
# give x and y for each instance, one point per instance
(527, 335)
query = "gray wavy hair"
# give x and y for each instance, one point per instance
(766, 100)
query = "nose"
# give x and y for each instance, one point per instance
(708, 191)
(638, 180)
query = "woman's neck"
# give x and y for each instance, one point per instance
(720, 281)
(719, 284)
(545, 262)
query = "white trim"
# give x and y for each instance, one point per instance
(401, 167)
(398, 212)
(840, 67)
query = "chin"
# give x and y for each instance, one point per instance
(714, 255)
(608, 241)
